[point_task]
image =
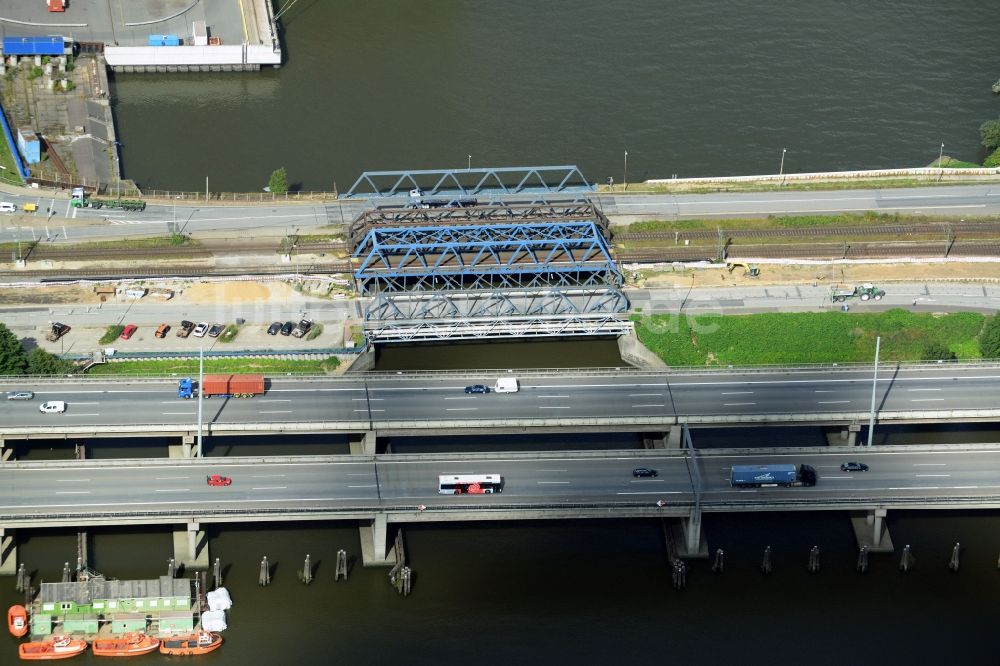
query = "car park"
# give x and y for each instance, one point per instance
(161, 332)
(200, 330)
(286, 329)
(216, 330)
(129, 331)
(219, 480)
(20, 395)
(185, 329)
(274, 328)
(644, 473)
(854, 467)
(52, 407)
(477, 388)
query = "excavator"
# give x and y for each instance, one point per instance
(749, 270)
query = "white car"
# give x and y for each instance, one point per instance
(52, 407)
(200, 330)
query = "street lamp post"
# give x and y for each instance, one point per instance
(781, 169)
(941, 162)
(625, 173)
(201, 392)
(871, 417)
(469, 168)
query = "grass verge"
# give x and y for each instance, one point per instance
(111, 334)
(188, 367)
(806, 337)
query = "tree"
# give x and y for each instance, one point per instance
(935, 351)
(989, 337)
(993, 159)
(279, 182)
(990, 133)
(41, 362)
(12, 361)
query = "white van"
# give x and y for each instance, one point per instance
(506, 385)
(7, 207)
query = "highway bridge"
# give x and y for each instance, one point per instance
(385, 489)
(397, 404)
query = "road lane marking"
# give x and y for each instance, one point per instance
(175, 413)
(172, 490)
(551, 470)
(369, 410)
(737, 404)
(552, 396)
(86, 403)
(370, 485)
(647, 481)
(924, 389)
(541, 483)
(964, 487)
(267, 476)
(171, 478)
(270, 488)
(72, 492)
(75, 414)
(462, 397)
(928, 475)
(822, 391)
(285, 411)
(461, 409)
(927, 400)
(274, 400)
(930, 464)
(647, 405)
(832, 402)
(645, 395)
(737, 393)
(72, 480)
(553, 407)
(651, 492)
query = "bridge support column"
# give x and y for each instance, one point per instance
(847, 436)
(688, 537)
(870, 530)
(184, 449)
(364, 445)
(674, 441)
(6, 453)
(8, 552)
(375, 551)
(191, 547)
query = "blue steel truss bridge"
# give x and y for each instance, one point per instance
(454, 269)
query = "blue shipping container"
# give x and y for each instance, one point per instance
(164, 40)
(29, 46)
(757, 475)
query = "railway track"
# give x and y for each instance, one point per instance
(147, 272)
(957, 229)
(42, 252)
(819, 251)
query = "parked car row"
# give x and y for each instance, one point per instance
(198, 330)
(291, 328)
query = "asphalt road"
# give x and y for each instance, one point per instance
(564, 396)
(528, 480)
(58, 222)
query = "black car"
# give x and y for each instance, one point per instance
(853, 467)
(216, 330)
(644, 472)
(274, 328)
(477, 388)
(287, 328)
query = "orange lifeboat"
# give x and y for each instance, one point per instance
(200, 643)
(17, 620)
(125, 646)
(60, 647)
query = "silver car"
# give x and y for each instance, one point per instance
(20, 395)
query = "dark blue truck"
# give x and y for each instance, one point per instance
(759, 476)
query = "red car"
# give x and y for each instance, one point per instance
(129, 331)
(217, 480)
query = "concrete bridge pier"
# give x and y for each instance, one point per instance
(671, 439)
(846, 436)
(191, 547)
(690, 540)
(8, 552)
(375, 550)
(364, 444)
(185, 449)
(6, 453)
(870, 530)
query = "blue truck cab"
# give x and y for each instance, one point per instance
(185, 388)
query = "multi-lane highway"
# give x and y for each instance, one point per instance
(625, 399)
(129, 489)
(58, 222)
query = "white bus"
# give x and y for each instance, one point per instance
(469, 484)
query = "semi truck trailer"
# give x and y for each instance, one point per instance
(762, 476)
(229, 386)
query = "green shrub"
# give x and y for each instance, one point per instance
(989, 339)
(230, 333)
(111, 334)
(938, 351)
(993, 159)
(314, 332)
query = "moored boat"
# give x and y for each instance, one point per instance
(60, 647)
(200, 643)
(125, 646)
(17, 620)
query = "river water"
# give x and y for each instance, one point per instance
(688, 88)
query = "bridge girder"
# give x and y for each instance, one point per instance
(470, 182)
